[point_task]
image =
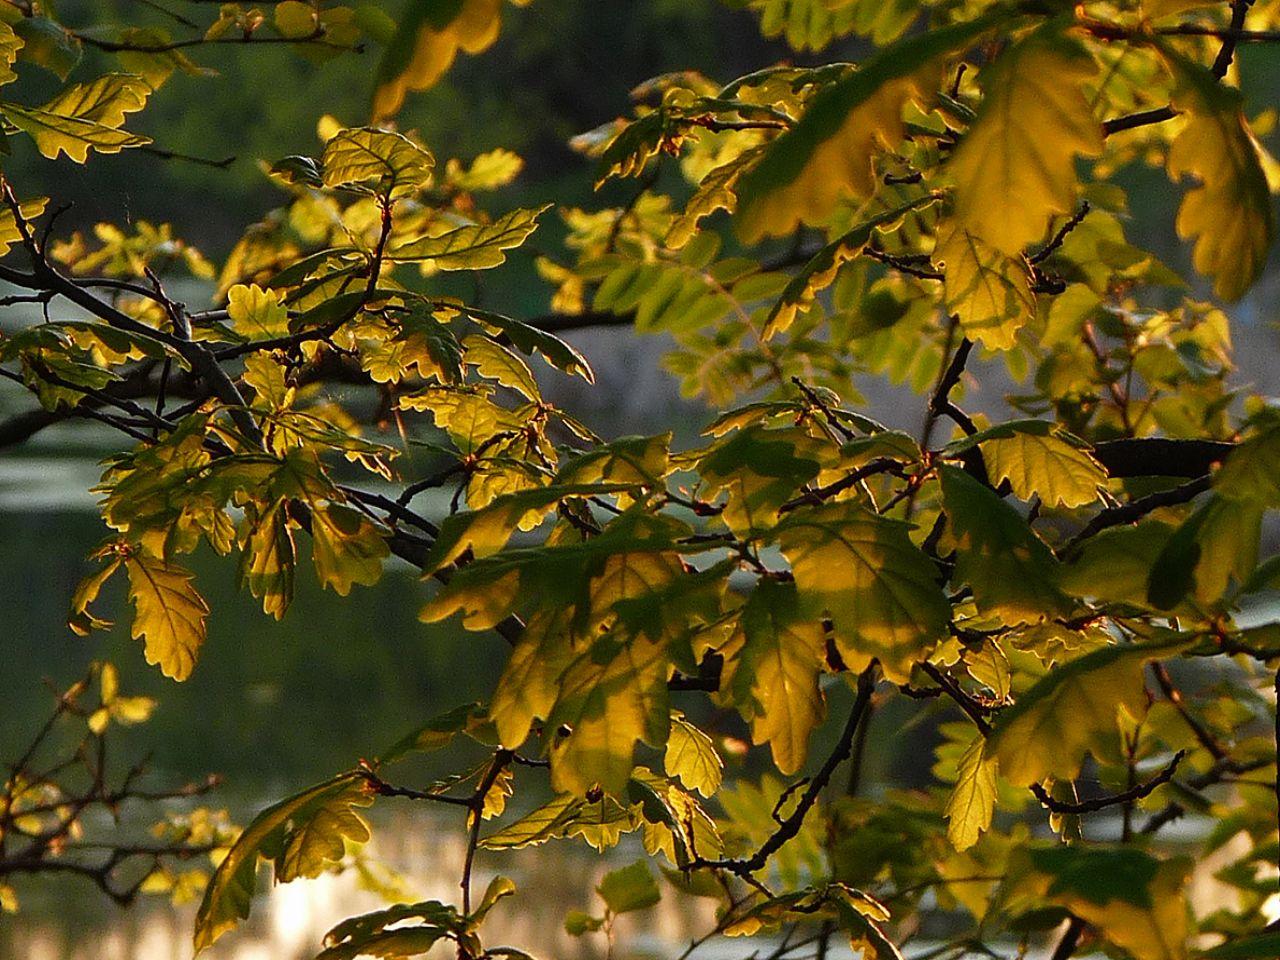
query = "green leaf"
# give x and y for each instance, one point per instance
(782, 657)
(1115, 566)
(1009, 567)
(474, 246)
(499, 887)
(48, 45)
(831, 152)
(530, 340)
(629, 889)
(369, 934)
(1132, 899)
(600, 823)
(438, 732)
(879, 589)
(301, 835)
(1249, 472)
(84, 116)
(642, 461)
(865, 934)
(1072, 711)
(579, 922)
(486, 531)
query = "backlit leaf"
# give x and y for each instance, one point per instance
(973, 799)
(1015, 167)
(257, 313)
(988, 291)
(823, 266)
(84, 116)
(1229, 213)
(831, 152)
(387, 163)
(629, 888)
(692, 757)
(345, 547)
(1039, 459)
(429, 36)
(779, 665)
(1010, 569)
(880, 590)
(301, 835)
(476, 246)
(1072, 711)
(611, 697)
(169, 614)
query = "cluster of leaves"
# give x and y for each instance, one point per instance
(1054, 581)
(54, 793)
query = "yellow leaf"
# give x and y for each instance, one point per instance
(9, 232)
(295, 19)
(758, 469)
(495, 362)
(821, 269)
(169, 614)
(1131, 899)
(691, 757)
(989, 292)
(973, 800)
(716, 191)
(475, 246)
(256, 313)
(10, 44)
(830, 153)
(1015, 167)
(426, 43)
(488, 171)
(267, 561)
(1071, 711)
(1157, 931)
(302, 835)
(611, 697)
(381, 161)
(778, 669)
(346, 547)
(1039, 459)
(84, 116)
(1229, 213)
(879, 589)
(81, 620)
(527, 688)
